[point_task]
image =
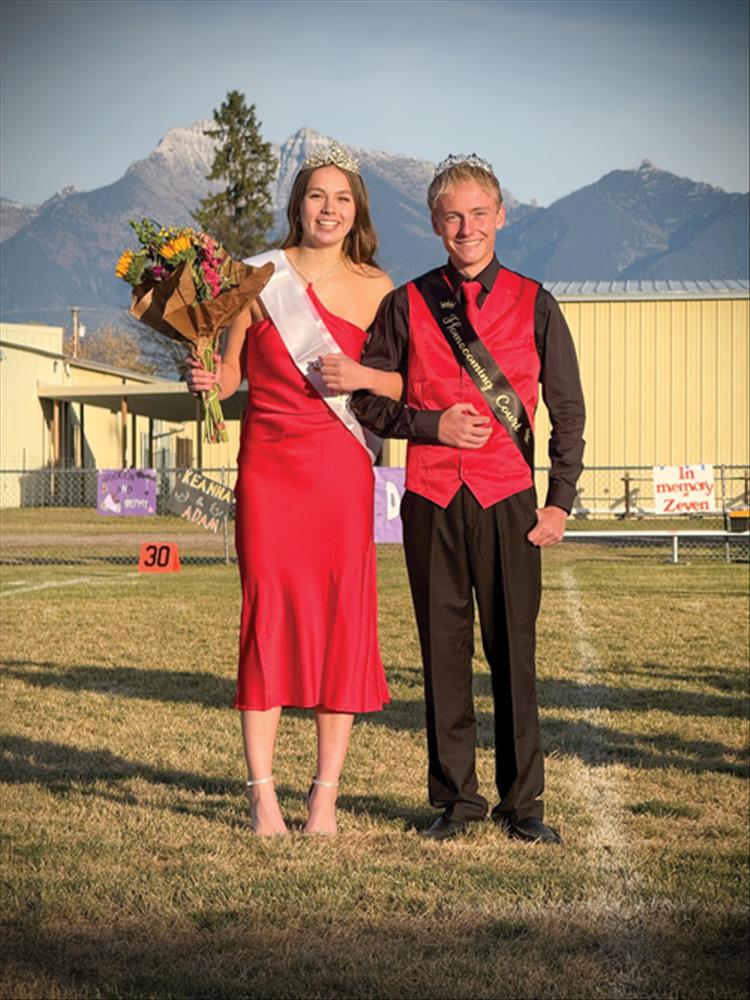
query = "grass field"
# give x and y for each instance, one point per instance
(129, 870)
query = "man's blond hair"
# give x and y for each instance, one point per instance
(462, 172)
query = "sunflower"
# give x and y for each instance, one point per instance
(123, 264)
(175, 246)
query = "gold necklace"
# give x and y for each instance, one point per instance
(320, 277)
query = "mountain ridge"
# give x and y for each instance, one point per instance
(638, 223)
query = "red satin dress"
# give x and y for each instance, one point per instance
(304, 540)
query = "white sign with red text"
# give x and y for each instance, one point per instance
(684, 489)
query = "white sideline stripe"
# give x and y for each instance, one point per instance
(585, 648)
(129, 577)
(603, 798)
(619, 879)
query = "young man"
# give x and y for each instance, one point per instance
(473, 341)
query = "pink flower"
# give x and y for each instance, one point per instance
(211, 277)
(208, 244)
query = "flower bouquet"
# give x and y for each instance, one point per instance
(188, 288)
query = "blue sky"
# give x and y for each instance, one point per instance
(554, 93)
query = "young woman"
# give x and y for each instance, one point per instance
(305, 493)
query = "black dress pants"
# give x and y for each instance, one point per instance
(452, 555)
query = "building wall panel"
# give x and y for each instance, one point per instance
(740, 393)
(23, 431)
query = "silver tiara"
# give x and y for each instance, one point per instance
(332, 155)
(459, 159)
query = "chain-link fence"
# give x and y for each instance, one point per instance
(49, 516)
(667, 545)
(614, 491)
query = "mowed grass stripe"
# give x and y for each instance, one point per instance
(129, 869)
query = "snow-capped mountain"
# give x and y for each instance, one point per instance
(407, 175)
(639, 223)
(13, 217)
(178, 166)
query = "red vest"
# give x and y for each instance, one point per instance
(436, 381)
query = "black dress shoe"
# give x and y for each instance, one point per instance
(529, 828)
(444, 828)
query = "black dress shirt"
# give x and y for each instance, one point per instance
(387, 350)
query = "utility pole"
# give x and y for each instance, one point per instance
(74, 313)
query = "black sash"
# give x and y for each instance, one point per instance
(473, 355)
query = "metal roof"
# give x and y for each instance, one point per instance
(68, 359)
(718, 288)
(159, 400)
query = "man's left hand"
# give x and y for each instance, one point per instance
(549, 528)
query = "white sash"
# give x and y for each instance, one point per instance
(306, 337)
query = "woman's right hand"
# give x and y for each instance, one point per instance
(198, 379)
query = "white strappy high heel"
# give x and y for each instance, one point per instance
(251, 783)
(322, 784)
(258, 781)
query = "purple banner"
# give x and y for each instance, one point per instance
(389, 488)
(126, 492)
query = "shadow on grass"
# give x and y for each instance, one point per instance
(598, 745)
(202, 689)
(721, 678)
(62, 769)
(557, 693)
(211, 691)
(378, 807)
(593, 744)
(602, 745)
(65, 769)
(234, 952)
(197, 687)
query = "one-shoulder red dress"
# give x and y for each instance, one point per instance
(304, 518)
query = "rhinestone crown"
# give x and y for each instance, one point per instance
(332, 155)
(457, 159)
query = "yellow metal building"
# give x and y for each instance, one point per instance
(35, 430)
(61, 412)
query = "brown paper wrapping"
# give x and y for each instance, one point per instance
(171, 306)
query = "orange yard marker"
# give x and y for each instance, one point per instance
(159, 557)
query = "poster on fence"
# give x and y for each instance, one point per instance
(126, 492)
(200, 500)
(684, 489)
(389, 488)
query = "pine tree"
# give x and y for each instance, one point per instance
(240, 215)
